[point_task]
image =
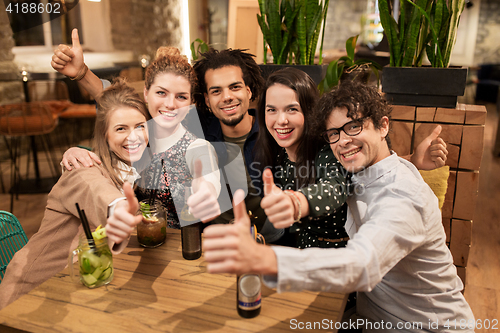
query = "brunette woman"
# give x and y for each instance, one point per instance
(300, 163)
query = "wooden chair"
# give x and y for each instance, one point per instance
(12, 239)
(55, 95)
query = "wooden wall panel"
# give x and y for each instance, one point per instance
(403, 112)
(462, 274)
(447, 209)
(463, 132)
(454, 116)
(447, 229)
(401, 135)
(472, 147)
(461, 235)
(466, 195)
(425, 114)
(475, 114)
(450, 133)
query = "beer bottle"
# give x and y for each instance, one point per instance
(248, 291)
(190, 234)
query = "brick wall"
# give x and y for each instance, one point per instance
(343, 21)
(488, 33)
(10, 82)
(144, 25)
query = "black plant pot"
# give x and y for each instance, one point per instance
(316, 72)
(424, 86)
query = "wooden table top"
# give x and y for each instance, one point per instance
(156, 290)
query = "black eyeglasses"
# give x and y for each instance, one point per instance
(351, 128)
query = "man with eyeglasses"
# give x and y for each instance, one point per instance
(396, 259)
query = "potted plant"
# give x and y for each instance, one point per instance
(291, 30)
(424, 27)
(347, 67)
(197, 50)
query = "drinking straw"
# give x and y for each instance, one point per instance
(86, 227)
(152, 196)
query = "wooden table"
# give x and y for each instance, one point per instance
(156, 290)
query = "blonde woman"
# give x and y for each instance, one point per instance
(168, 91)
(121, 123)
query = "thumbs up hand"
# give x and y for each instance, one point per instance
(279, 207)
(124, 218)
(69, 60)
(230, 248)
(203, 202)
(431, 153)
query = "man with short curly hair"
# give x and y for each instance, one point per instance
(396, 259)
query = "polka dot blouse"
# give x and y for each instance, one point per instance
(324, 227)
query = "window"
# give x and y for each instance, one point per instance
(44, 22)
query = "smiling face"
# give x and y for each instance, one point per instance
(227, 95)
(127, 134)
(168, 98)
(284, 118)
(360, 151)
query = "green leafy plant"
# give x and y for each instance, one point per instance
(291, 29)
(342, 67)
(428, 26)
(196, 50)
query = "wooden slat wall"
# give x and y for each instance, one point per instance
(463, 131)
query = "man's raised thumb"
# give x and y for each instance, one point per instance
(435, 133)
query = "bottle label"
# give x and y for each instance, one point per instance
(249, 297)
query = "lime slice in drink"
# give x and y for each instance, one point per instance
(97, 273)
(106, 274)
(99, 233)
(89, 279)
(105, 261)
(85, 266)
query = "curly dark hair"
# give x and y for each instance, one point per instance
(214, 59)
(360, 100)
(266, 148)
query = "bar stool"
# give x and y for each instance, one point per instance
(55, 95)
(29, 120)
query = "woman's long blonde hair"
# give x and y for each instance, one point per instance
(118, 95)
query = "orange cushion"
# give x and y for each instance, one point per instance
(28, 125)
(26, 119)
